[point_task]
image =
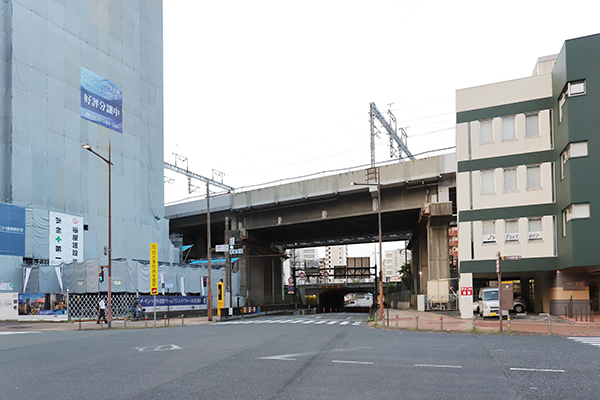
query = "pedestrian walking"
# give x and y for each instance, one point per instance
(102, 311)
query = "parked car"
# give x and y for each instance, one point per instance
(488, 305)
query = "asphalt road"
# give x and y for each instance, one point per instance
(294, 357)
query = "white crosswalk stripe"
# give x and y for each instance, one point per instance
(594, 341)
(291, 321)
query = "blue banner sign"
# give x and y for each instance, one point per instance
(174, 303)
(12, 230)
(101, 101)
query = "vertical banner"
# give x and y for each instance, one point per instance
(12, 230)
(66, 238)
(101, 101)
(154, 269)
(182, 285)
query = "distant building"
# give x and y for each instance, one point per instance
(394, 260)
(336, 258)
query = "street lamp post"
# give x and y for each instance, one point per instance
(378, 185)
(107, 161)
(209, 302)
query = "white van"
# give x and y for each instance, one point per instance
(488, 304)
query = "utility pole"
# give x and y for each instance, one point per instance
(228, 291)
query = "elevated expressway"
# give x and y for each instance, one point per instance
(325, 211)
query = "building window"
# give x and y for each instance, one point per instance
(487, 182)
(532, 128)
(489, 232)
(533, 177)
(573, 150)
(486, 132)
(577, 211)
(576, 88)
(508, 128)
(561, 103)
(511, 230)
(510, 180)
(534, 229)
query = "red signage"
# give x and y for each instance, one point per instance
(466, 291)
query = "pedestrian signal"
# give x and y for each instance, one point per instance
(101, 275)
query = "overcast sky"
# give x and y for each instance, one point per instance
(269, 90)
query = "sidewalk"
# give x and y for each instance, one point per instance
(87, 325)
(520, 324)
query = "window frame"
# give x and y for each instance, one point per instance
(491, 125)
(537, 118)
(511, 236)
(488, 237)
(504, 186)
(509, 121)
(527, 183)
(493, 178)
(534, 235)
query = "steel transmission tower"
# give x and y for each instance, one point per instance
(392, 132)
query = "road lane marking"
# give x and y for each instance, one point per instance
(285, 357)
(438, 366)
(594, 341)
(356, 323)
(158, 348)
(332, 322)
(308, 322)
(538, 369)
(352, 362)
(344, 323)
(18, 333)
(320, 322)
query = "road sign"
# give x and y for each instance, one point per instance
(236, 251)
(290, 280)
(511, 258)
(221, 248)
(232, 241)
(290, 289)
(325, 274)
(302, 274)
(168, 285)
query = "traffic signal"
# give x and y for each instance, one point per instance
(101, 275)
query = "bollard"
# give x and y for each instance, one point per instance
(302, 312)
(146, 321)
(473, 321)
(330, 311)
(125, 323)
(165, 319)
(566, 315)
(549, 325)
(181, 319)
(417, 321)
(575, 315)
(79, 323)
(441, 322)
(508, 321)
(315, 311)
(396, 321)
(323, 310)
